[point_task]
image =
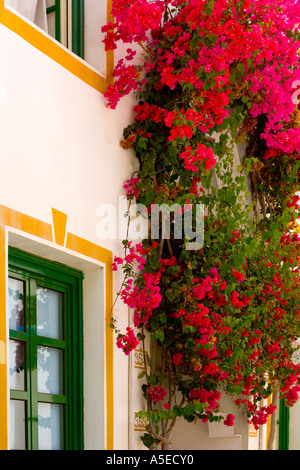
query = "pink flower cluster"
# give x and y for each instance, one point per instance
(238, 275)
(177, 358)
(205, 396)
(156, 393)
(235, 236)
(127, 342)
(194, 159)
(273, 349)
(145, 111)
(261, 416)
(238, 302)
(143, 300)
(229, 421)
(131, 189)
(292, 396)
(133, 19)
(136, 255)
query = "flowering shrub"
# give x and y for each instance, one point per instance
(213, 74)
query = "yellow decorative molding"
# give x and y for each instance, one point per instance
(139, 362)
(140, 424)
(59, 226)
(252, 431)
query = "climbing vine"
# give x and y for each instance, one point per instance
(213, 80)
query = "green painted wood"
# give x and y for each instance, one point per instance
(284, 421)
(56, 10)
(78, 27)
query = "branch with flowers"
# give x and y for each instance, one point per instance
(225, 317)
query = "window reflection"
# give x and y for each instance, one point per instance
(50, 370)
(50, 423)
(17, 365)
(49, 313)
(16, 304)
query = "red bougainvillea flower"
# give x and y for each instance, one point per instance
(127, 342)
(177, 358)
(238, 275)
(130, 188)
(229, 421)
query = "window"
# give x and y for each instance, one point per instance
(65, 22)
(61, 19)
(46, 354)
(76, 27)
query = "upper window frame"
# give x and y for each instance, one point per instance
(56, 51)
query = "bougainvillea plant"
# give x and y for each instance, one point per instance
(211, 78)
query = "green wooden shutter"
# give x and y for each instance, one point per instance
(78, 27)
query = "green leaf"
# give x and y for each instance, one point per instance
(152, 379)
(241, 68)
(206, 86)
(238, 352)
(149, 441)
(195, 40)
(159, 335)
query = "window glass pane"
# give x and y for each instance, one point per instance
(49, 313)
(50, 370)
(16, 304)
(17, 425)
(34, 11)
(17, 365)
(50, 425)
(51, 24)
(50, 3)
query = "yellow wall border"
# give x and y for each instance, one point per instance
(58, 53)
(42, 230)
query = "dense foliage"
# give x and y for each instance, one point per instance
(213, 76)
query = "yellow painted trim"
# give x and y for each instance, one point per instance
(27, 224)
(57, 52)
(59, 226)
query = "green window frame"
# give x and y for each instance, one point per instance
(42, 356)
(284, 421)
(76, 22)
